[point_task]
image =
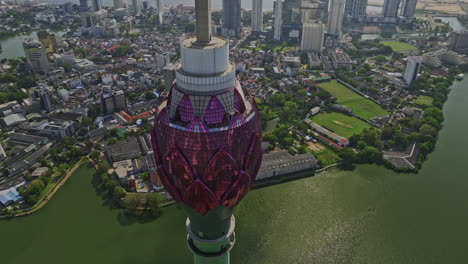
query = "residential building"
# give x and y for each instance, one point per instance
(43, 95)
(356, 8)
(312, 37)
(36, 56)
(257, 15)
(278, 23)
(335, 17)
(390, 8)
(169, 75)
(413, 64)
(231, 18)
(112, 102)
(459, 41)
(408, 8)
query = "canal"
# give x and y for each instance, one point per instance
(369, 215)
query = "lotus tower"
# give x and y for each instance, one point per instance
(207, 141)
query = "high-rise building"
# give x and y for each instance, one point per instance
(390, 8)
(312, 37)
(83, 7)
(136, 7)
(160, 7)
(120, 4)
(231, 18)
(207, 141)
(257, 15)
(43, 95)
(112, 102)
(459, 41)
(356, 8)
(97, 5)
(412, 69)
(408, 8)
(278, 20)
(36, 56)
(335, 17)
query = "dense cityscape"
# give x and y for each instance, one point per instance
(335, 85)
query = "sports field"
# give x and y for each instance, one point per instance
(361, 106)
(398, 46)
(423, 100)
(341, 124)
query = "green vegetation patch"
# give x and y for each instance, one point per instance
(361, 106)
(424, 100)
(271, 124)
(341, 124)
(326, 157)
(398, 46)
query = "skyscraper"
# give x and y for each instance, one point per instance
(231, 17)
(278, 20)
(335, 16)
(97, 5)
(412, 69)
(312, 37)
(160, 7)
(390, 8)
(36, 56)
(207, 141)
(257, 15)
(356, 8)
(136, 7)
(408, 8)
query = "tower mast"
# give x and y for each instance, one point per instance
(203, 17)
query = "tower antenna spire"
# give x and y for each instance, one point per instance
(203, 17)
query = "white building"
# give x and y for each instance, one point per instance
(336, 10)
(278, 20)
(412, 69)
(312, 37)
(257, 15)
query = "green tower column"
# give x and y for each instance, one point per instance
(211, 237)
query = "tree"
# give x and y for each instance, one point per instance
(132, 203)
(118, 194)
(435, 113)
(370, 155)
(152, 207)
(348, 157)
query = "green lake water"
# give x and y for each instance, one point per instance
(369, 215)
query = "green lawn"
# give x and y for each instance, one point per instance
(423, 100)
(398, 46)
(361, 106)
(341, 124)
